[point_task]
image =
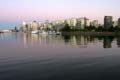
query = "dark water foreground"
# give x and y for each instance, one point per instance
(43, 57)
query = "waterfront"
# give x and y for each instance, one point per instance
(55, 57)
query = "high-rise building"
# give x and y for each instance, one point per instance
(26, 26)
(34, 25)
(82, 26)
(115, 23)
(119, 23)
(81, 23)
(108, 22)
(95, 23)
(73, 22)
(67, 21)
(87, 22)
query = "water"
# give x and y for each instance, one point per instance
(55, 57)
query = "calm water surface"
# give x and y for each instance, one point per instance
(54, 57)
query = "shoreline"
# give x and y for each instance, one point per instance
(1, 32)
(92, 33)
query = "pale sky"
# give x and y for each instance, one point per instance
(16, 11)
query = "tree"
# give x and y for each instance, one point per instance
(66, 28)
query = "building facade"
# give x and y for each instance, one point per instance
(95, 23)
(115, 24)
(108, 22)
(26, 27)
(119, 23)
(81, 23)
(34, 26)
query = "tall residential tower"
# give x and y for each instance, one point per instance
(108, 22)
(119, 23)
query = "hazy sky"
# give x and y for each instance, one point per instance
(15, 11)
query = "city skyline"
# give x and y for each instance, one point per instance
(15, 11)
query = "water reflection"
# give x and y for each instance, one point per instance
(66, 40)
(107, 41)
(118, 41)
(31, 39)
(84, 41)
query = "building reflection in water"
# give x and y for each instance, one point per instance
(30, 39)
(35, 39)
(107, 41)
(85, 41)
(80, 41)
(66, 40)
(118, 41)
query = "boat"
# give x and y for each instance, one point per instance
(43, 32)
(58, 33)
(51, 32)
(54, 33)
(35, 32)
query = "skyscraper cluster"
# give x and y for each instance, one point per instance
(73, 23)
(109, 23)
(29, 26)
